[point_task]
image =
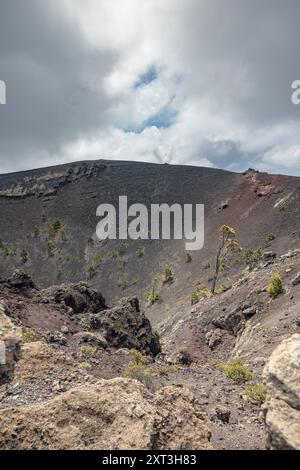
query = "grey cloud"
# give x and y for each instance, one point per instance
(53, 79)
(244, 55)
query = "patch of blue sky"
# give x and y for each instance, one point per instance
(147, 77)
(162, 120)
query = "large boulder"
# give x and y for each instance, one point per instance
(20, 281)
(282, 407)
(125, 326)
(80, 298)
(10, 346)
(118, 414)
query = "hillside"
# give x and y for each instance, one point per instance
(256, 205)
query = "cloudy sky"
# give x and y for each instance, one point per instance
(201, 82)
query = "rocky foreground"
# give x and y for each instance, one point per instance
(77, 374)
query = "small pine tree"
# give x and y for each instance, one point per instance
(227, 244)
(275, 287)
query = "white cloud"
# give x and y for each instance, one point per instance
(221, 96)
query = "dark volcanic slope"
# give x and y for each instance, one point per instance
(256, 205)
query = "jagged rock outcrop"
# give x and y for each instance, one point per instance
(282, 407)
(19, 281)
(80, 298)
(112, 414)
(10, 346)
(48, 183)
(95, 339)
(125, 326)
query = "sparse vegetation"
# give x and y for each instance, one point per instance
(36, 232)
(54, 227)
(153, 297)
(85, 366)
(123, 284)
(98, 258)
(275, 287)
(228, 244)
(24, 256)
(138, 357)
(114, 254)
(138, 372)
(90, 351)
(63, 234)
(122, 248)
(252, 257)
(223, 288)
(169, 276)
(137, 368)
(91, 272)
(188, 257)
(200, 292)
(237, 371)
(141, 252)
(90, 241)
(162, 371)
(29, 335)
(50, 248)
(44, 217)
(5, 252)
(207, 265)
(256, 393)
(270, 238)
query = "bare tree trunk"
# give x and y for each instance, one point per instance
(217, 269)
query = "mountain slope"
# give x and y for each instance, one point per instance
(256, 205)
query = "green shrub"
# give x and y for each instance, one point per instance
(90, 351)
(30, 336)
(85, 366)
(162, 371)
(275, 287)
(123, 284)
(91, 272)
(24, 256)
(256, 393)
(168, 275)
(139, 372)
(200, 292)
(153, 297)
(252, 257)
(207, 265)
(237, 371)
(56, 225)
(270, 238)
(5, 252)
(114, 254)
(50, 248)
(138, 357)
(223, 288)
